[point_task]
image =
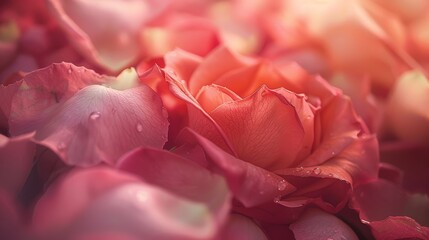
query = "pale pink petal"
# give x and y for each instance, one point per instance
(99, 124)
(42, 90)
(179, 31)
(101, 200)
(180, 176)
(106, 32)
(407, 112)
(315, 224)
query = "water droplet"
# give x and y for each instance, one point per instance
(299, 169)
(330, 175)
(317, 171)
(308, 117)
(139, 127)
(308, 172)
(69, 71)
(61, 146)
(277, 199)
(333, 153)
(282, 185)
(364, 221)
(95, 116)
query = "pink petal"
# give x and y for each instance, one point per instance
(11, 226)
(198, 120)
(407, 113)
(182, 63)
(178, 30)
(315, 224)
(370, 199)
(250, 184)
(399, 228)
(240, 227)
(42, 90)
(107, 33)
(180, 176)
(212, 96)
(101, 200)
(270, 133)
(99, 124)
(206, 74)
(16, 161)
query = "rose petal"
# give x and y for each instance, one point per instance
(180, 176)
(240, 227)
(11, 226)
(210, 97)
(182, 63)
(95, 195)
(398, 228)
(371, 198)
(99, 124)
(106, 33)
(16, 160)
(407, 112)
(270, 133)
(316, 224)
(223, 59)
(44, 89)
(250, 184)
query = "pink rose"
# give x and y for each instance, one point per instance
(282, 120)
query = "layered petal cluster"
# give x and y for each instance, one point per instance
(214, 120)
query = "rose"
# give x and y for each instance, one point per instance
(278, 119)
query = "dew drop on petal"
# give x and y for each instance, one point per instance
(277, 199)
(317, 171)
(333, 153)
(95, 116)
(299, 169)
(282, 185)
(139, 127)
(69, 71)
(364, 221)
(308, 172)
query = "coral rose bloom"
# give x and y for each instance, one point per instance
(278, 119)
